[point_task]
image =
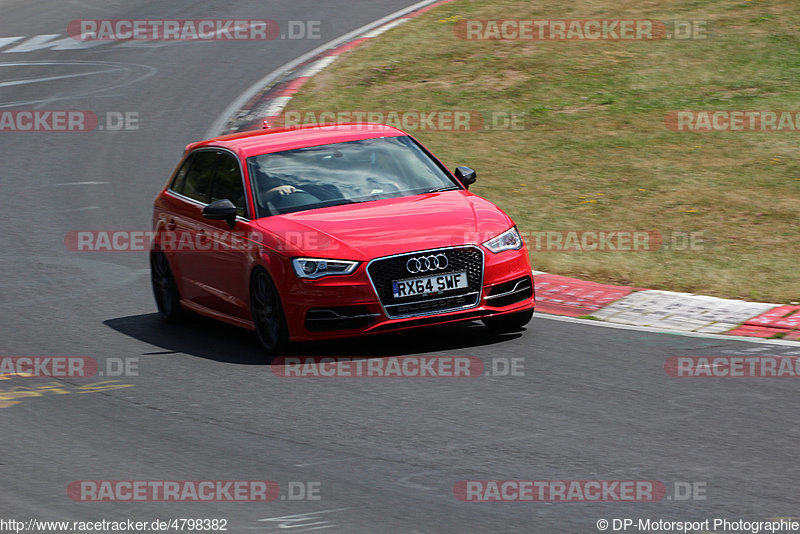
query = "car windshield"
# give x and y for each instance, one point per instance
(343, 173)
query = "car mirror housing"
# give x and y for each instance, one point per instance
(466, 175)
(221, 210)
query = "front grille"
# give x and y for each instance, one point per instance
(383, 271)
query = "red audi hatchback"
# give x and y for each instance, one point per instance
(332, 231)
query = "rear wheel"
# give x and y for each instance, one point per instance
(268, 319)
(508, 323)
(165, 289)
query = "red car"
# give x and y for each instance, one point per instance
(332, 231)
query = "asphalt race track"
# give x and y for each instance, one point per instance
(592, 402)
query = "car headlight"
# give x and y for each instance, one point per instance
(508, 240)
(319, 267)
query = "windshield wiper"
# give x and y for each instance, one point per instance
(440, 189)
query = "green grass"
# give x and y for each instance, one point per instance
(594, 153)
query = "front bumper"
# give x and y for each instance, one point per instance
(348, 306)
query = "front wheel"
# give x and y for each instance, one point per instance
(508, 323)
(165, 289)
(268, 319)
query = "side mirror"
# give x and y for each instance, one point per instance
(221, 210)
(466, 175)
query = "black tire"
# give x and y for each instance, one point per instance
(267, 313)
(508, 323)
(165, 290)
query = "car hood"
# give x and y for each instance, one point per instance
(385, 227)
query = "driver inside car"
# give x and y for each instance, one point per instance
(271, 187)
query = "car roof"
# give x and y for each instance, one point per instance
(256, 142)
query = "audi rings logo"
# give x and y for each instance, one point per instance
(423, 264)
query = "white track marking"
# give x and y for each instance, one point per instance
(386, 27)
(275, 106)
(48, 41)
(307, 522)
(318, 66)
(603, 324)
(132, 72)
(8, 40)
(25, 81)
(81, 183)
(85, 208)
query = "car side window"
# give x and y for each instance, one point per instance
(197, 183)
(180, 176)
(228, 183)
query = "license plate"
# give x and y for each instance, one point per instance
(427, 285)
